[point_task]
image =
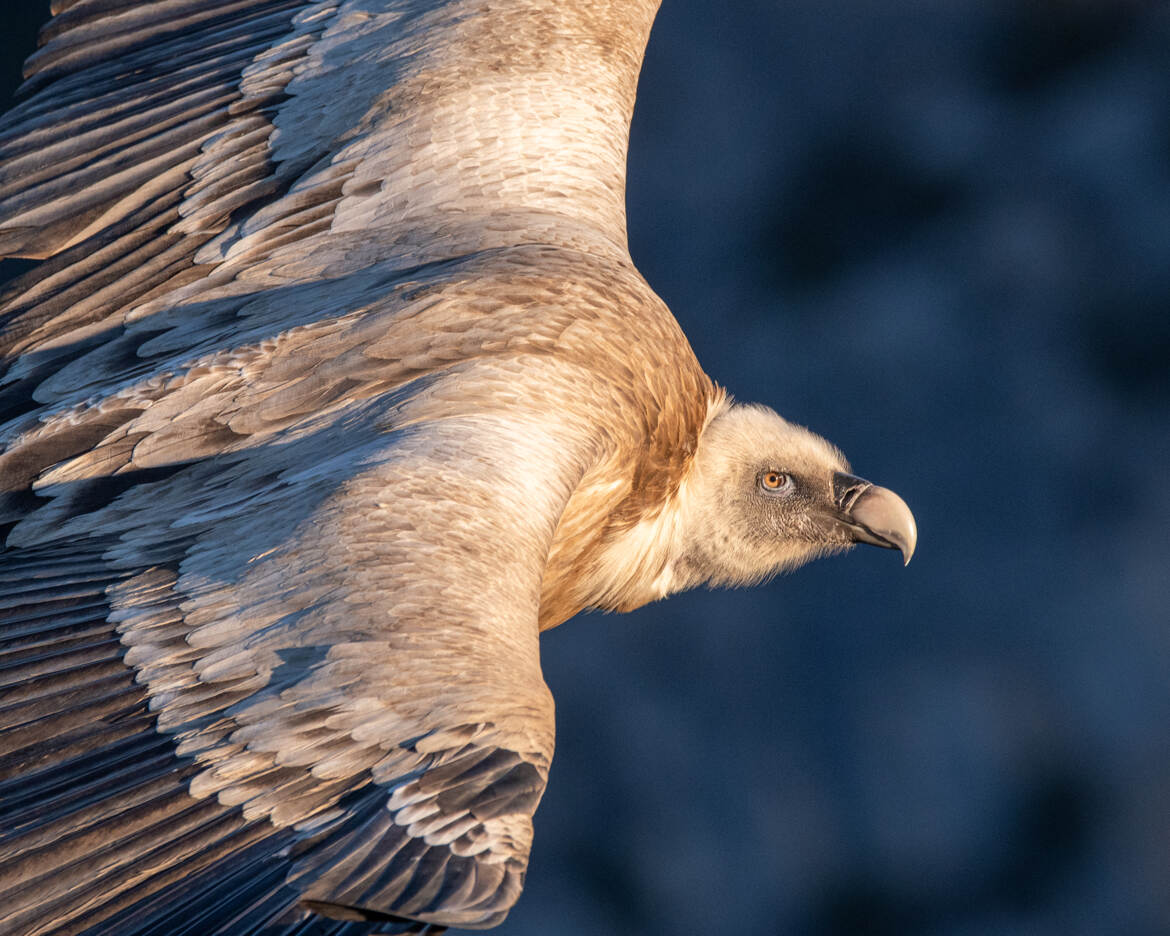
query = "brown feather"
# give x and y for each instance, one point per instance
(339, 387)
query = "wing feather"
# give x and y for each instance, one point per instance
(291, 414)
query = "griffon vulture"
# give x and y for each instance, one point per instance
(335, 387)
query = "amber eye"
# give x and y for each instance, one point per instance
(775, 481)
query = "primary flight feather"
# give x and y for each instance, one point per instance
(336, 386)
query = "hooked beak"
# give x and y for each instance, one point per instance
(875, 515)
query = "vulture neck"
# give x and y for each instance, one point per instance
(597, 563)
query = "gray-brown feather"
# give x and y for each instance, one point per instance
(338, 318)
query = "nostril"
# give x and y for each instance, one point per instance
(847, 488)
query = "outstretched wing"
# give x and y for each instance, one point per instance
(167, 154)
(286, 446)
(352, 691)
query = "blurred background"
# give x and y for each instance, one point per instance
(939, 234)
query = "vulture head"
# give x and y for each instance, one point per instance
(765, 495)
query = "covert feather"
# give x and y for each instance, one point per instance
(336, 386)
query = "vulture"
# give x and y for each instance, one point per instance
(334, 387)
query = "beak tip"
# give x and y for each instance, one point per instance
(911, 541)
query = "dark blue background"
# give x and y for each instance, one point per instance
(939, 234)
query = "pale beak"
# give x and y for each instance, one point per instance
(875, 515)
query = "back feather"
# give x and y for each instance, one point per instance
(336, 315)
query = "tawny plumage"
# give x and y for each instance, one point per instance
(335, 387)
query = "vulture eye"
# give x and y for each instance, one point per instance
(774, 482)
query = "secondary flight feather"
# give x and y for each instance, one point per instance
(336, 386)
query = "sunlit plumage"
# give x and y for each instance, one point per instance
(337, 385)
